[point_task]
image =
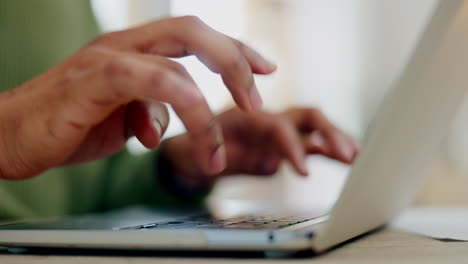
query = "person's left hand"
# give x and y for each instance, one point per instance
(257, 142)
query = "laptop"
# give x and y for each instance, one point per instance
(399, 145)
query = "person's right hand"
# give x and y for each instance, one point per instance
(86, 107)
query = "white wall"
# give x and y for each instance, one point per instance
(347, 55)
(339, 55)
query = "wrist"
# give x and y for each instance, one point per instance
(5, 172)
(23, 141)
(10, 122)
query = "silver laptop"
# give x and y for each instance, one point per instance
(384, 179)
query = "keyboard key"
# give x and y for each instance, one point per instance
(239, 222)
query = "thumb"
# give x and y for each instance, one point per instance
(147, 121)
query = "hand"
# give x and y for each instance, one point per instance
(86, 107)
(257, 142)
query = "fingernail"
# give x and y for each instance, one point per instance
(255, 98)
(157, 126)
(218, 160)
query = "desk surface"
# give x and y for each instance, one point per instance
(387, 246)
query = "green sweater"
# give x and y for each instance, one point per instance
(34, 36)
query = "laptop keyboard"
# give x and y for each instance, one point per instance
(239, 222)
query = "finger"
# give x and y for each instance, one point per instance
(315, 143)
(147, 121)
(139, 124)
(289, 142)
(143, 77)
(217, 51)
(260, 163)
(159, 115)
(255, 159)
(339, 145)
(157, 43)
(268, 164)
(201, 124)
(257, 62)
(309, 119)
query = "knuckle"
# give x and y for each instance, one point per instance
(105, 38)
(117, 72)
(235, 65)
(177, 68)
(160, 78)
(117, 68)
(283, 121)
(242, 46)
(314, 111)
(188, 99)
(290, 110)
(178, 92)
(195, 97)
(279, 123)
(162, 82)
(194, 22)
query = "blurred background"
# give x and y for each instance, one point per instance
(339, 56)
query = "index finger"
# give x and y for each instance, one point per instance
(189, 35)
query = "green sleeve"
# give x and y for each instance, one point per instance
(118, 181)
(139, 179)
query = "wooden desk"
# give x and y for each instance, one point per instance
(386, 246)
